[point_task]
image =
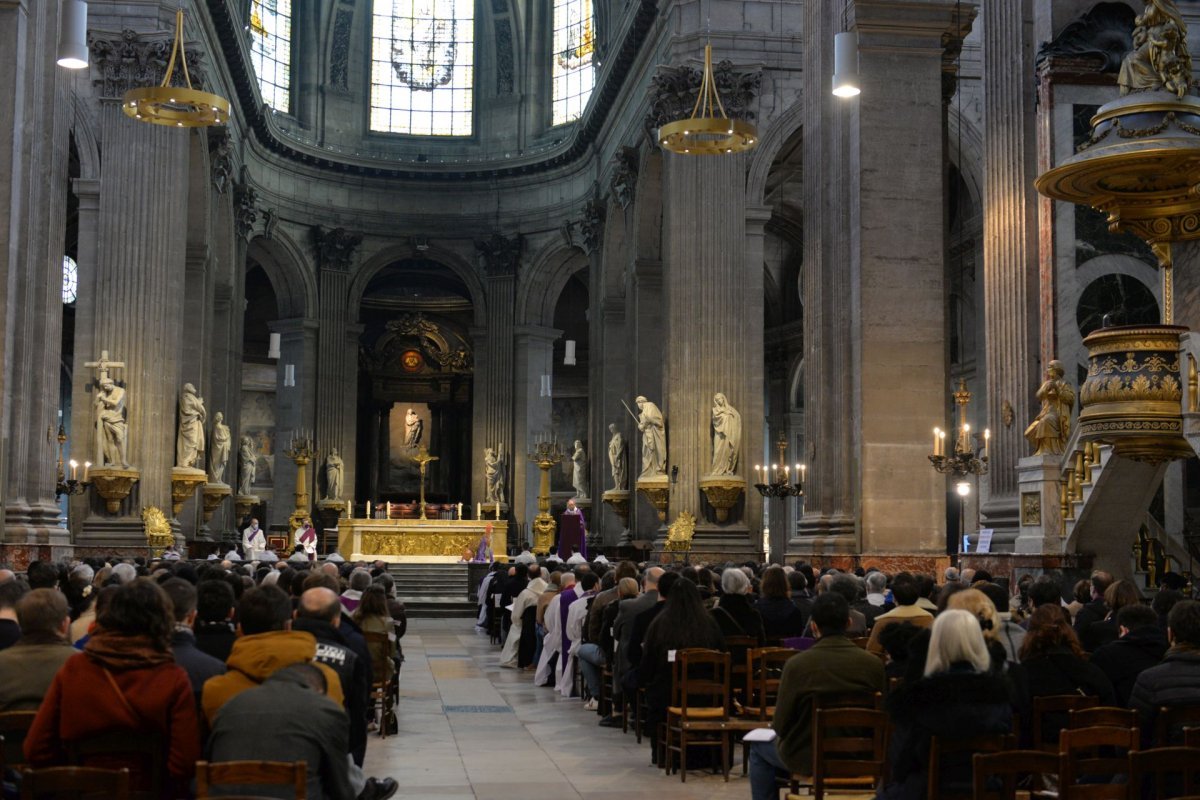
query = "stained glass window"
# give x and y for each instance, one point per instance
(572, 71)
(70, 288)
(271, 50)
(422, 73)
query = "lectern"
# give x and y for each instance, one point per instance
(570, 535)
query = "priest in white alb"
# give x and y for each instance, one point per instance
(254, 541)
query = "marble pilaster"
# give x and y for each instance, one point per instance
(644, 326)
(295, 408)
(337, 352)
(492, 404)
(534, 353)
(608, 382)
(1010, 247)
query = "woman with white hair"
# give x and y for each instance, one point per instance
(736, 615)
(960, 696)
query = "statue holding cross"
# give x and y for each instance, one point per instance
(111, 426)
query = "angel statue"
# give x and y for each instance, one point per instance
(1048, 433)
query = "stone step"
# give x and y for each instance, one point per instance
(436, 608)
(433, 590)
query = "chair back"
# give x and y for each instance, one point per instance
(849, 748)
(143, 753)
(997, 775)
(1090, 757)
(1102, 717)
(764, 672)
(861, 641)
(75, 783)
(739, 648)
(249, 774)
(1168, 729)
(826, 700)
(1164, 772)
(701, 683)
(1050, 716)
(950, 765)
(378, 645)
(14, 725)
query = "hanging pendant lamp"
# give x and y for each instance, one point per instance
(705, 133)
(178, 107)
(72, 37)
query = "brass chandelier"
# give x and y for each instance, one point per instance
(705, 133)
(176, 106)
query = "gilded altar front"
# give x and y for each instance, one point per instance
(428, 540)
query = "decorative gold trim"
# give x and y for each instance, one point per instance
(176, 106)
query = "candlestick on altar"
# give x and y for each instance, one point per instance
(422, 459)
(368, 509)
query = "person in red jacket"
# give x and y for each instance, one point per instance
(124, 681)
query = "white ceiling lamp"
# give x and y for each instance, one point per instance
(845, 65)
(569, 356)
(72, 38)
(273, 350)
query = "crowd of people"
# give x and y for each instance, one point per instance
(155, 665)
(957, 658)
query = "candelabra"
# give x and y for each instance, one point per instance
(69, 486)
(546, 454)
(970, 455)
(422, 459)
(302, 451)
(775, 480)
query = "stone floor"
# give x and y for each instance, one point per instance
(469, 729)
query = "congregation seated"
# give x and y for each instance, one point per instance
(734, 612)
(1176, 681)
(1141, 645)
(198, 665)
(780, 616)
(29, 666)
(905, 592)
(1120, 594)
(11, 592)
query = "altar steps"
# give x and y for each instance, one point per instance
(433, 590)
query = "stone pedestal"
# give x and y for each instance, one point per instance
(113, 485)
(184, 482)
(656, 489)
(214, 495)
(618, 501)
(722, 493)
(1039, 482)
(243, 504)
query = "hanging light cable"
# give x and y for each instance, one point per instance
(72, 35)
(176, 106)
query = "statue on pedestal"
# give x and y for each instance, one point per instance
(1048, 433)
(493, 471)
(413, 428)
(727, 436)
(249, 465)
(1159, 59)
(221, 442)
(579, 470)
(654, 438)
(189, 441)
(111, 427)
(334, 469)
(616, 457)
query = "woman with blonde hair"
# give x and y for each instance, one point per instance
(960, 696)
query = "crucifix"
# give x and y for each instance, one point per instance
(103, 397)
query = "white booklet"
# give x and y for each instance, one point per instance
(760, 735)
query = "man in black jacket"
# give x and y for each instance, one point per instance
(1141, 645)
(319, 613)
(1176, 681)
(1096, 610)
(198, 665)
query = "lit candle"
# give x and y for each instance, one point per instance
(478, 511)
(460, 511)
(987, 441)
(802, 469)
(497, 509)
(86, 466)
(757, 479)
(936, 431)
(368, 509)
(74, 468)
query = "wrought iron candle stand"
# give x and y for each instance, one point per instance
(69, 486)
(778, 477)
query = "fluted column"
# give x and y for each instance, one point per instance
(1009, 249)
(295, 408)
(713, 334)
(33, 185)
(492, 404)
(534, 355)
(644, 333)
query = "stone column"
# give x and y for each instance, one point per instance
(609, 355)
(1010, 248)
(644, 334)
(534, 353)
(713, 334)
(140, 293)
(337, 349)
(492, 404)
(295, 408)
(34, 121)
(87, 192)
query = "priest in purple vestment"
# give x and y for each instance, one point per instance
(567, 596)
(484, 551)
(574, 509)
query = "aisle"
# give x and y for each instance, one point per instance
(469, 729)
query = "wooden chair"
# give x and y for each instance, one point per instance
(849, 749)
(861, 641)
(951, 758)
(1056, 707)
(75, 783)
(1088, 752)
(145, 750)
(1168, 728)
(1102, 717)
(1007, 769)
(1191, 736)
(14, 725)
(382, 691)
(828, 700)
(251, 773)
(1164, 772)
(739, 648)
(764, 672)
(699, 707)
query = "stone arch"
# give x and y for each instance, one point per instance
(83, 126)
(549, 273)
(965, 147)
(795, 398)
(287, 269)
(769, 144)
(452, 261)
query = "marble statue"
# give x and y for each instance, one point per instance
(1159, 58)
(413, 428)
(189, 441)
(654, 438)
(334, 469)
(111, 426)
(493, 471)
(1048, 433)
(249, 465)
(579, 470)
(616, 457)
(727, 436)
(219, 456)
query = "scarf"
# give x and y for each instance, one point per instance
(124, 651)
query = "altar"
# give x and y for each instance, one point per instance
(431, 541)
